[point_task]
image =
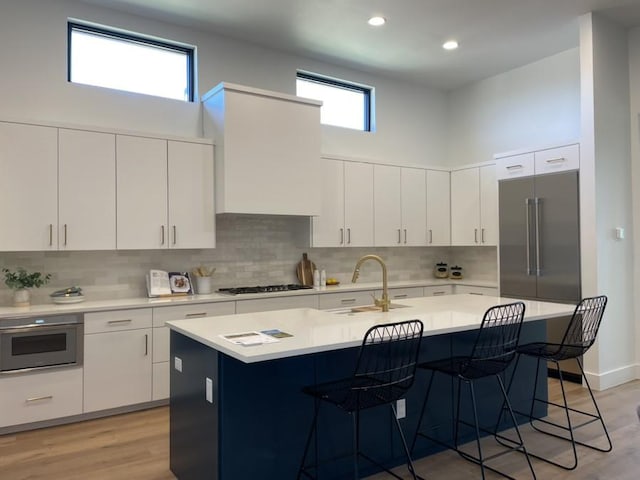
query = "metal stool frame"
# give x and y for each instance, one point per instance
(384, 372)
(493, 351)
(580, 335)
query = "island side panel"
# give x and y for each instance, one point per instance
(194, 421)
(264, 416)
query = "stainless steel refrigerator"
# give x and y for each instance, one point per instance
(539, 225)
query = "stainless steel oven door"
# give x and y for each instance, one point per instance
(40, 346)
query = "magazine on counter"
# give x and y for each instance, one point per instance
(167, 284)
(249, 338)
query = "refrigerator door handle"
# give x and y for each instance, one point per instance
(527, 203)
(537, 203)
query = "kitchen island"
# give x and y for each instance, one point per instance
(237, 411)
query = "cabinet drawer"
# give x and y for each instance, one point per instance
(117, 320)
(476, 290)
(435, 291)
(346, 299)
(179, 312)
(33, 397)
(515, 166)
(558, 159)
(400, 293)
(279, 303)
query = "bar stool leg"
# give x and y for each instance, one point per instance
(356, 443)
(424, 408)
(312, 430)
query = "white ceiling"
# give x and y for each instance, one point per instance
(494, 35)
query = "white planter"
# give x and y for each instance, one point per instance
(21, 297)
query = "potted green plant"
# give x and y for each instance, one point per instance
(21, 281)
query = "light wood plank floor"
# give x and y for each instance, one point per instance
(136, 447)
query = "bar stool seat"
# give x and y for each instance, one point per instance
(384, 372)
(493, 351)
(578, 338)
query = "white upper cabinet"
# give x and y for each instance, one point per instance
(358, 204)
(346, 218)
(400, 202)
(164, 194)
(414, 206)
(87, 190)
(191, 204)
(327, 229)
(141, 193)
(549, 160)
(387, 206)
(267, 151)
(474, 206)
(438, 208)
(28, 187)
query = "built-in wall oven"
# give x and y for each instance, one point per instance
(41, 342)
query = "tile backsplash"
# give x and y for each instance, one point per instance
(250, 250)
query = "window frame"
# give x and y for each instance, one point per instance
(345, 85)
(189, 51)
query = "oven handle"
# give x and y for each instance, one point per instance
(34, 326)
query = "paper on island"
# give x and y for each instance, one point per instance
(249, 338)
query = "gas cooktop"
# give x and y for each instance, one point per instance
(263, 289)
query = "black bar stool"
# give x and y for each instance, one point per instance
(493, 351)
(578, 338)
(384, 371)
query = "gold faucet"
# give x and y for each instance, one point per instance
(379, 302)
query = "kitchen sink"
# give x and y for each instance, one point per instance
(364, 308)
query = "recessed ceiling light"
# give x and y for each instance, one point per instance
(377, 21)
(450, 45)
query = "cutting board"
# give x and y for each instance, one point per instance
(304, 270)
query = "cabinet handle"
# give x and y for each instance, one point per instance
(146, 344)
(405, 236)
(514, 167)
(65, 233)
(348, 235)
(51, 234)
(38, 399)
(175, 235)
(475, 293)
(556, 160)
(430, 236)
(482, 235)
(475, 235)
(193, 315)
(399, 241)
(342, 236)
(401, 295)
(348, 300)
(118, 322)
(439, 293)
(536, 203)
(162, 236)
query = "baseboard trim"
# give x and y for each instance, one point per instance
(613, 378)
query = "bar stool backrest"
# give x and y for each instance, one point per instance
(388, 358)
(585, 322)
(497, 339)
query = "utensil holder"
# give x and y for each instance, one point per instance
(203, 285)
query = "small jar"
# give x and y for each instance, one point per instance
(441, 270)
(455, 273)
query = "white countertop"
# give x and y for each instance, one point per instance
(144, 302)
(318, 331)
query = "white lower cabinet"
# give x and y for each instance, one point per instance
(117, 359)
(276, 303)
(435, 291)
(345, 299)
(491, 291)
(160, 350)
(402, 293)
(34, 397)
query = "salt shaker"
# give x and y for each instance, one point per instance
(323, 278)
(316, 278)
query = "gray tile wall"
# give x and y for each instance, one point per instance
(251, 250)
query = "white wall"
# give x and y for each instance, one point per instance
(607, 266)
(634, 80)
(532, 106)
(411, 120)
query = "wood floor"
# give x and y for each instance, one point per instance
(136, 447)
